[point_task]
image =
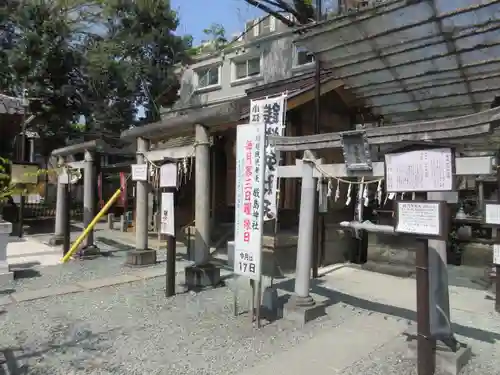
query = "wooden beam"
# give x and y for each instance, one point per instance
(308, 95)
(465, 166)
(451, 128)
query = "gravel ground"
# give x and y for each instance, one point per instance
(74, 271)
(133, 329)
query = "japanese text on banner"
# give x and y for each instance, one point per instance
(249, 207)
(271, 112)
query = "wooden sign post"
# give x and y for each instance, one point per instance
(424, 220)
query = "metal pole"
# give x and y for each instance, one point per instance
(67, 224)
(171, 253)
(497, 267)
(318, 222)
(425, 343)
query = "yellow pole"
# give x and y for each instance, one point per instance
(91, 225)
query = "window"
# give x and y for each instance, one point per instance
(208, 76)
(304, 57)
(248, 68)
(265, 25)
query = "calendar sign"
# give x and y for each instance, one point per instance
(250, 169)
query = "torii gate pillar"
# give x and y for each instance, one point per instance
(302, 306)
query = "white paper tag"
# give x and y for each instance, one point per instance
(496, 254)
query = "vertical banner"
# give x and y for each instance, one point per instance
(271, 112)
(167, 219)
(123, 186)
(250, 153)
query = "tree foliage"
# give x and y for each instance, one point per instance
(98, 59)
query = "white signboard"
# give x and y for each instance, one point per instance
(425, 170)
(139, 172)
(271, 112)
(249, 208)
(167, 222)
(168, 175)
(419, 218)
(496, 254)
(492, 213)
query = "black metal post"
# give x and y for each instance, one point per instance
(318, 222)
(171, 254)
(425, 343)
(171, 241)
(67, 223)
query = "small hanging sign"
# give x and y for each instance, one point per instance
(168, 175)
(139, 172)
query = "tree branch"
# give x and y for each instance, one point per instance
(272, 12)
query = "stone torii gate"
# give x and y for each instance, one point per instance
(91, 150)
(454, 129)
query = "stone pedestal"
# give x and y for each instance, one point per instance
(449, 360)
(203, 276)
(303, 309)
(56, 240)
(6, 276)
(89, 251)
(140, 258)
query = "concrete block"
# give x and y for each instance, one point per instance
(202, 276)
(448, 361)
(303, 314)
(5, 275)
(270, 308)
(56, 240)
(141, 258)
(89, 252)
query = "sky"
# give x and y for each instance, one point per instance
(196, 15)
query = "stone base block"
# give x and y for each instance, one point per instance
(6, 277)
(140, 258)
(298, 311)
(89, 252)
(270, 308)
(56, 240)
(198, 277)
(448, 361)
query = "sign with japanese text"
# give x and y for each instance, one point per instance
(271, 112)
(167, 223)
(423, 170)
(139, 172)
(168, 175)
(249, 208)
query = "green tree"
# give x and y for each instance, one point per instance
(40, 58)
(144, 36)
